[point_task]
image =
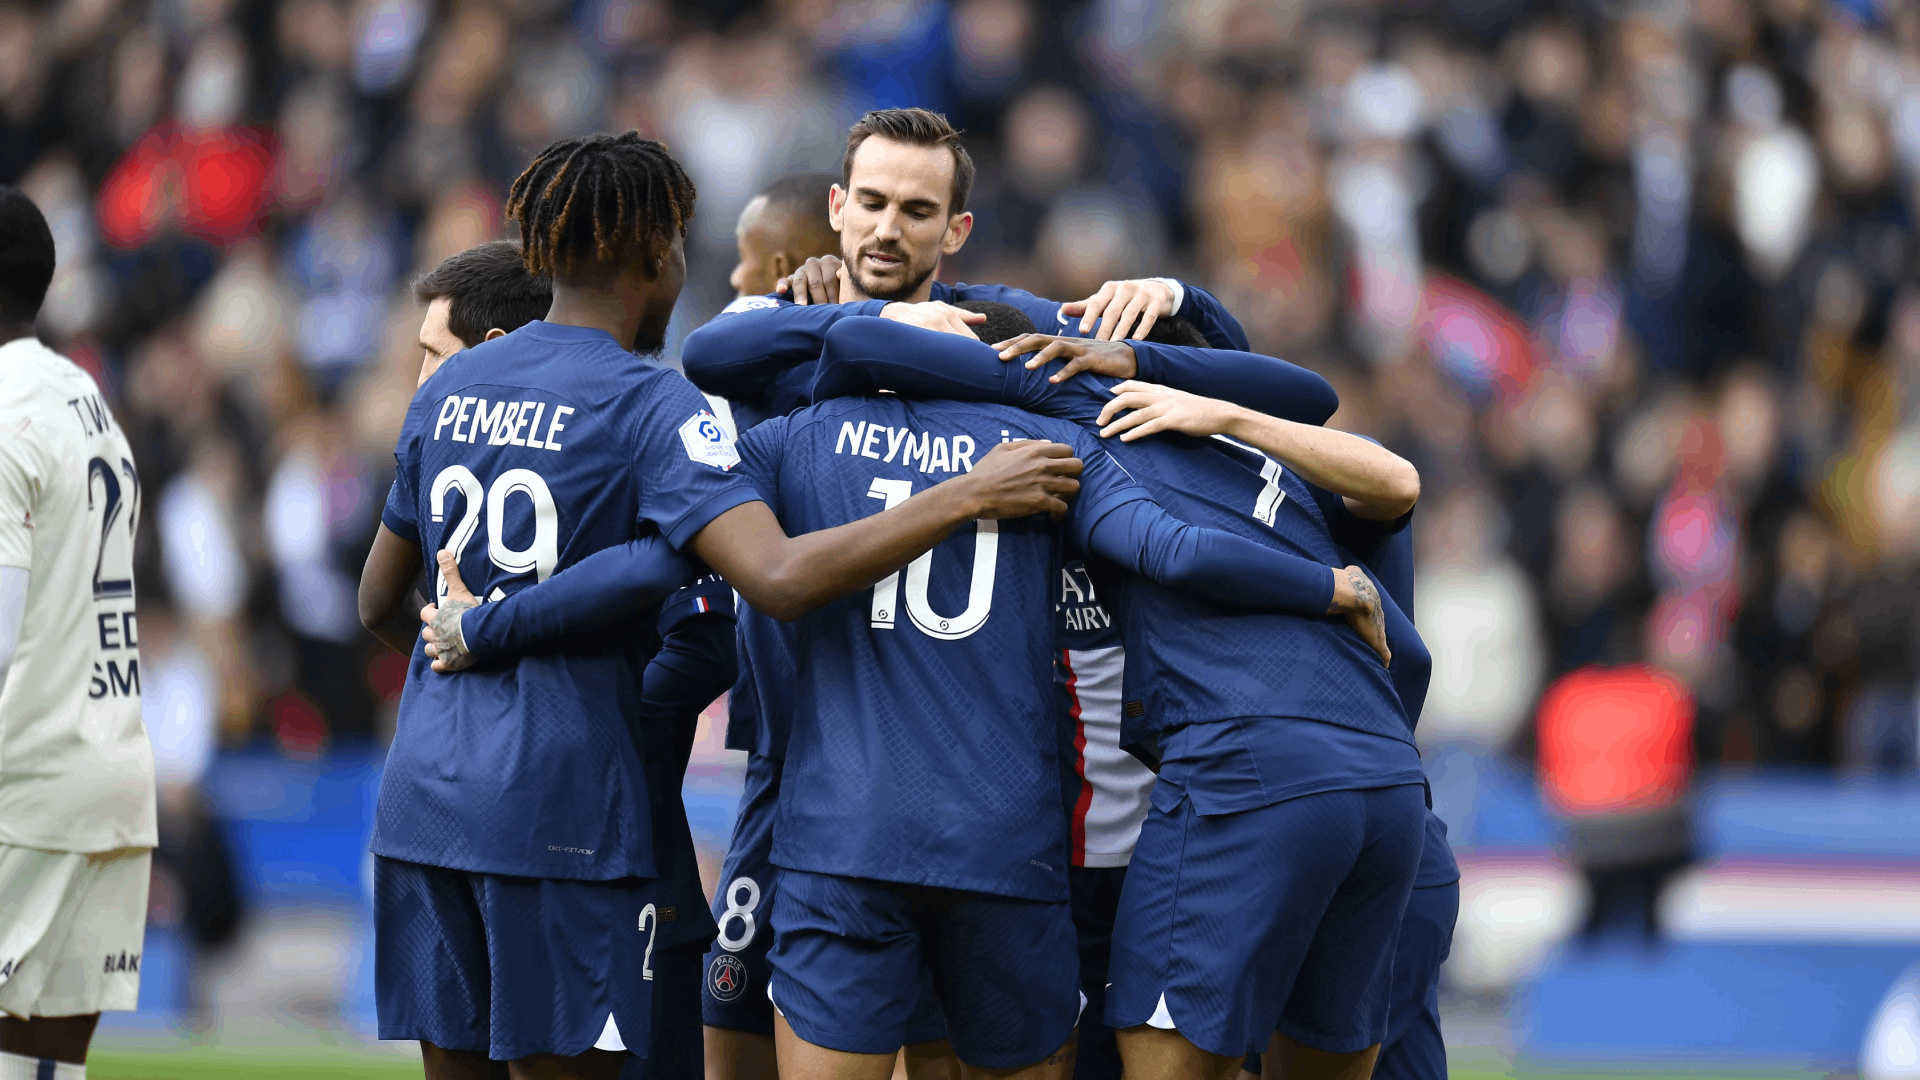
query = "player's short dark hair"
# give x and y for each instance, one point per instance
(801, 199)
(488, 286)
(1176, 330)
(915, 127)
(26, 256)
(1004, 321)
(588, 204)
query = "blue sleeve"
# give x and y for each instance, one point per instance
(1391, 562)
(865, 355)
(1216, 566)
(1044, 313)
(1115, 518)
(760, 453)
(401, 514)
(1211, 317)
(695, 665)
(398, 514)
(738, 353)
(606, 586)
(711, 595)
(683, 462)
(1261, 383)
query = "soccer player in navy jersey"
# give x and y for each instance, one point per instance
(514, 850)
(1267, 887)
(1413, 1048)
(899, 207)
(484, 293)
(780, 228)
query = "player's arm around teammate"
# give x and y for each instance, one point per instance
(1376, 483)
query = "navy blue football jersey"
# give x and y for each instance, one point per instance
(534, 451)
(924, 746)
(1188, 660)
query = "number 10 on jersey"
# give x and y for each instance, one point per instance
(986, 554)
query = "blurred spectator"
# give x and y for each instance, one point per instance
(1616, 758)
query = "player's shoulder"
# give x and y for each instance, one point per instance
(31, 373)
(769, 302)
(40, 388)
(829, 412)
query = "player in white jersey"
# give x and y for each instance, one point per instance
(77, 823)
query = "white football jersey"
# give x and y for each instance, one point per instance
(76, 770)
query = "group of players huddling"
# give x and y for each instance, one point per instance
(1072, 655)
(1073, 659)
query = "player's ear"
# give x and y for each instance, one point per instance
(780, 264)
(959, 227)
(836, 202)
(494, 333)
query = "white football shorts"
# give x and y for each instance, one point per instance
(71, 930)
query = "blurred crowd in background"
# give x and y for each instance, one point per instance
(1633, 282)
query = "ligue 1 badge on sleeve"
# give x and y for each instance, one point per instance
(707, 442)
(726, 977)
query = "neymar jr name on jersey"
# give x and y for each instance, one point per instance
(926, 451)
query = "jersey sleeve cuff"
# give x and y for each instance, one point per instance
(400, 527)
(1179, 292)
(707, 509)
(1146, 363)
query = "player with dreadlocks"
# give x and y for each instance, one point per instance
(520, 923)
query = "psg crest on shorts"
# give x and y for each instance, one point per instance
(726, 977)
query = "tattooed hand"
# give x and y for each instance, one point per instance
(1355, 596)
(446, 645)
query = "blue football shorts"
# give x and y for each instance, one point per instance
(512, 966)
(1284, 917)
(734, 992)
(1413, 1049)
(676, 1049)
(851, 957)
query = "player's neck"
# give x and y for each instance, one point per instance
(14, 331)
(610, 307)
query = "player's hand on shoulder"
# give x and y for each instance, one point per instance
(1123, 309)
(446, 645)
(820, 280)
(1355, 597)
(1113, 358)
(1016, 479)
(1151, 408)
(934, 315)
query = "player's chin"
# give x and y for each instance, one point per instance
(889, 285)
